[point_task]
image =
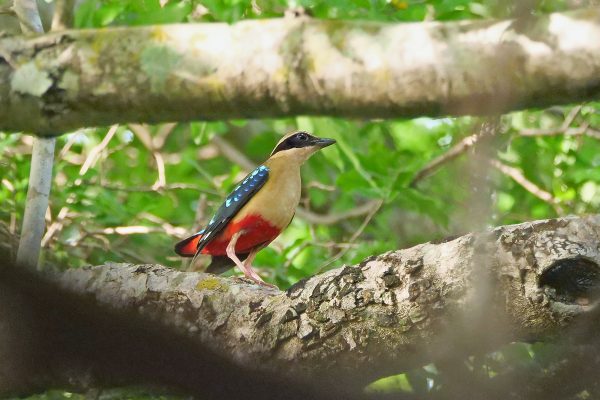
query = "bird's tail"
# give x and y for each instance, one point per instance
(188, 247)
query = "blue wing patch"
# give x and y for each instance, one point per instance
(242, 193)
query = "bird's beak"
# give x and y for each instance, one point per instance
(323, 142)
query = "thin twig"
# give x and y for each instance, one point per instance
(167, 227)
(95, 152)
(29, 16)
(449, 155)
(565, 128)
(129, 230)
(233, 154)
(160, 166)
(531, 187)
(159, 139)
(63, 14)
(200, 217)
(334, 218)
(327, 245)
(89, 162)
(321, 186)
(140, 229)
(353, 238)
(593, 133)
(162, 189)
(562, 129)
(143, 133)
(65, 149)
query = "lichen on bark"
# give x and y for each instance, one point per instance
(285, 67)
(389, 313)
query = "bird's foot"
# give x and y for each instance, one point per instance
(251, 274)
(267, 284)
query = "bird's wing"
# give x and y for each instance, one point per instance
(242, 193)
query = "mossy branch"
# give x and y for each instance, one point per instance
(282, 67)
(388, 314)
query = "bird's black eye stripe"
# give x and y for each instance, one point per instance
(300, 139)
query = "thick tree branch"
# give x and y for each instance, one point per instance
(54, 338)
(389, 313)
(281, 67)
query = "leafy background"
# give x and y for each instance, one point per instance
(127, 193)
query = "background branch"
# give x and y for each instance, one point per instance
(42, 159)
(528, 185)
(449, 155)
(169, 73)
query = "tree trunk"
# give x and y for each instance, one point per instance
(390, 313)
(281, 67)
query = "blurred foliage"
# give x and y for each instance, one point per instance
(111, 200)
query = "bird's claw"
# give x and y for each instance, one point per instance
(254, 277)
(269, 285)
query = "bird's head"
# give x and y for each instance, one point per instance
(300, 146)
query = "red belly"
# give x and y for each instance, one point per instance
(257, 232)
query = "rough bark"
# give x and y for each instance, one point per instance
(390, 313)
(273, 68)
(53, 338)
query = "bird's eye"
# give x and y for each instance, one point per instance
(302, 136)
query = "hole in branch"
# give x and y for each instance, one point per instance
(573, 280)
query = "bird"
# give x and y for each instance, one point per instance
(258, 209)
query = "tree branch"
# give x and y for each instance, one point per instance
(390, 313)
(452, 153)
(42, 160)
(54, 338)
(531, 187)
(29, 16)
(282, 67)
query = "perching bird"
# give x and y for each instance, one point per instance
(259, 208)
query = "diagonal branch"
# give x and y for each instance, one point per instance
(455, 151)
(389, 313)
(528, 185)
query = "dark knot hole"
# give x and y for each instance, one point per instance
(572, 280)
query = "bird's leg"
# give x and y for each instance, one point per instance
(231, 251)
(250, 272)
(246, 266)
